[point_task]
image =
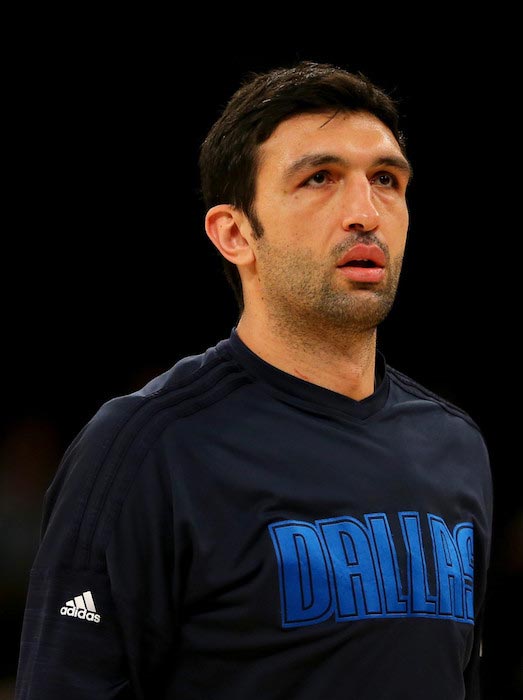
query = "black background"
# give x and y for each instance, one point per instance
(108, 277)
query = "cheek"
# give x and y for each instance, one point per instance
(399, 224)
(285, 224)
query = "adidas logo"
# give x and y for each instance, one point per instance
(81, 606)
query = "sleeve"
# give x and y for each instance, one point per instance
(99, 620)
(473, 676)
(474, 681)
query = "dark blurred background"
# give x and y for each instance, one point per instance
(108, 277)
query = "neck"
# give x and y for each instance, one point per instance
(339, 360)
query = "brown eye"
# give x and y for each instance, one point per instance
(384, 179)
(319, 178)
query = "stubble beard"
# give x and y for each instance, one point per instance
(307, 302)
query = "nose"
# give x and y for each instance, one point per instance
(359, 211)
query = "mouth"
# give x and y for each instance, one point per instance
(360, 263)
(363, 263)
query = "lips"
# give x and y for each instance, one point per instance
(363, 263)
(363, 253)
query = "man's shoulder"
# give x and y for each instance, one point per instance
(118, 444)
(414, 390)
(188, 385)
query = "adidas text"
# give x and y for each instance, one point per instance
(82, 607)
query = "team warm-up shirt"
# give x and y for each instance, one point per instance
(232, 531)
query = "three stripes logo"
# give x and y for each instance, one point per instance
(81, 606)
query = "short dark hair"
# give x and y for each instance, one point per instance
(228, 158)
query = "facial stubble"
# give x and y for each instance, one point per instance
(307, 299)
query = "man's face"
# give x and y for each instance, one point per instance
(331, 201)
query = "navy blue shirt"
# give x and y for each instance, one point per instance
(232, 531)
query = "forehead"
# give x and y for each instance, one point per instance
(347, 134)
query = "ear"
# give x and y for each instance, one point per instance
(225, 225)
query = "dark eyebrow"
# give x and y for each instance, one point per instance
(395, 162)
(316, 160)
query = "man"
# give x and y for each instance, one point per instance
(285, 515)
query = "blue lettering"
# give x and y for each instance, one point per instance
(343, 567)
(464, 537)
(388, 567)
(448, 569)
(355, 581)
(422, 603)
(304, 581)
